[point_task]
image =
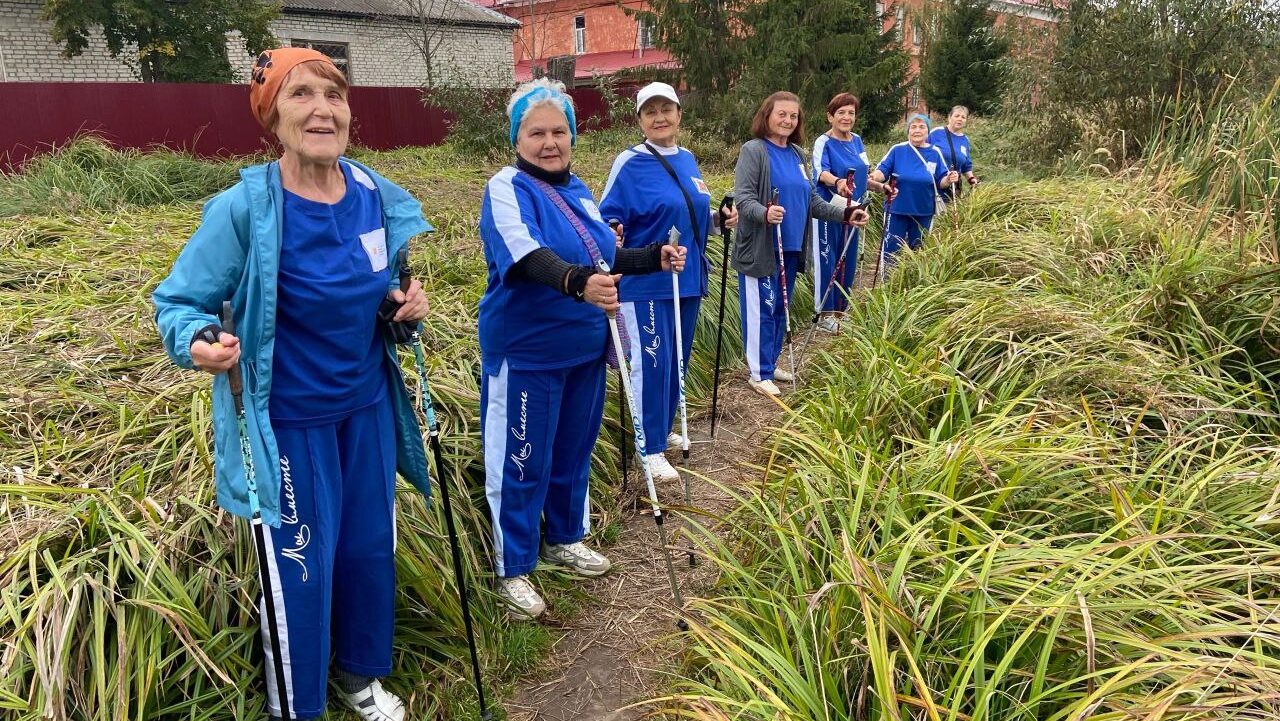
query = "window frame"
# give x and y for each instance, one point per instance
(579, 34)
(343, 63)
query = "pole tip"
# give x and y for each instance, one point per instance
(682, 624)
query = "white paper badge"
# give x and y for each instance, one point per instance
(589, 206)
(864, 157)
(932, 166)
(701, 186)
(964, 150)
(375, 246)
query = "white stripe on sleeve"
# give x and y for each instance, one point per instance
(506, 215)
(618, 162)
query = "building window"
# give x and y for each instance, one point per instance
(644, 33)
(339, 53)
(915, 96)
(897, 26)
(915, 33)
(879, 11)
(579, 35)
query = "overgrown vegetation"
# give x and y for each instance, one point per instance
(1036, 479)
(124, 592)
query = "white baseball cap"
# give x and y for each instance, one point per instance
(655, 90)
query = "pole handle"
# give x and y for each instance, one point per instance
(402, 267)
(233, 373)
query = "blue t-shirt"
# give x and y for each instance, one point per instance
(788, 175)
(963, 160)
(333, 274)
(838, 157)
(642, 195)
(523, 322)
(918, 177)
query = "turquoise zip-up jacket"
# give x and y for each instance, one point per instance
(235, 255)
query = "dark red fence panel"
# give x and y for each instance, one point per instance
(206, 119)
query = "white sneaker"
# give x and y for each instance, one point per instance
(764, 387)
(660, 468)
(523, 603)
(781, 375)
(829, 324)
(576, 557)
(375, 703)
(674, 440)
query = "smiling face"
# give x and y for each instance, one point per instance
(660, 121)
(842, 119)
(544, 138)
(917, 132)
(783, 119)
(313, 118)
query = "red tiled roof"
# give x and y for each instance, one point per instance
(592, 64)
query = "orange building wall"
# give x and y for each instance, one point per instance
(548, 27)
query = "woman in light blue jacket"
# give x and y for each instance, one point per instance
(301, 248)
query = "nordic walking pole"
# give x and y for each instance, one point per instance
(622, 426)
(725, 234)
(786, 298)
(236, 381)
(637, 425)
(884, 233)
(673, 237)
(433, 426)
(844, 251)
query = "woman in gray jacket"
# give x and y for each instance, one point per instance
(776, 199)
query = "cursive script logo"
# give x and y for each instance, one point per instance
(652, 330)
(302, 533)
(521, 434)
(767, 286)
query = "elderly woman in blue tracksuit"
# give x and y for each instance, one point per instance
(955, 147)
(773, 163)
(543, 344)
(921, 174)
(301, 248)
(836, 153)
(652, 188)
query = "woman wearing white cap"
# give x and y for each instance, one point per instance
(654, 187)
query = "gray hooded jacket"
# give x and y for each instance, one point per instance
(754, 247)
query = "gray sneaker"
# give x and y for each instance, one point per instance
(576, 557)
(523, 603)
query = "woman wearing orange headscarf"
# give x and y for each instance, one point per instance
(303, 248)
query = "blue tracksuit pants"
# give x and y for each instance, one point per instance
(655, 375)
(331, 561)
(539, 427)
(764, 318)
(828, 241)
(902, 230)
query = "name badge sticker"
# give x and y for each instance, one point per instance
(864, 157)
(932, 166)
(375, 246)
(701, 186)
(589, 206)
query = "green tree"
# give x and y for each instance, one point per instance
(165, 41)
(1124, 64)
(966, 63)
(735, 53)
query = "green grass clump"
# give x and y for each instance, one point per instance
(1032, 480)
(88, 174)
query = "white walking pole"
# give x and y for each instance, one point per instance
(673, 238)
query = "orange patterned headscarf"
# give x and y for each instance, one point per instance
(268, 75)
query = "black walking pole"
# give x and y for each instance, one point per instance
(236, 381)
(428, 409)
(726, 234)
(622, 404)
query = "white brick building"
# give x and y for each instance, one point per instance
(376, 41)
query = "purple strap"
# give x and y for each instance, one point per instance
(593, 250)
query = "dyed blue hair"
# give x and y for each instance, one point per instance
(927, 124)
(537, 92)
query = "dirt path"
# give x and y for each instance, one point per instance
(617, 649)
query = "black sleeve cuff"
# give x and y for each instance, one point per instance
(638, 261)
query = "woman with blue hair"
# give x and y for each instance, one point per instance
(543, 340)
(921, 172)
